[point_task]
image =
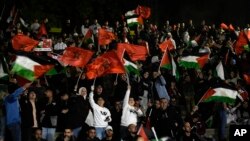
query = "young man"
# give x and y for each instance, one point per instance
(67, 135)
(130, 113)
(37, 136)
(109, 134)
(102, 115)
(91, 135)
(13, 117)
(187, 134)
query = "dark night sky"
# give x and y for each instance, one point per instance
(215, 11)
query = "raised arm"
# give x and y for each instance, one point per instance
(20, 90)
(91, 98)
(126, 98)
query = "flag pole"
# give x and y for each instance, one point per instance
(202, 97)
(153, 130)
(127, 79)
(94, 81)
(116, 77)
(46, 81)
(162, 59)
(3, 10)
(140, 129)
(76, 86)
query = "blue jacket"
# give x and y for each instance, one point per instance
(12, 107)
(160, 85)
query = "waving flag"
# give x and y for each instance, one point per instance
(223, 26)
(143, 11)
(42, 31)
(220, 71)
(105, 37)
(28, 68)
(241, 43)
(167, 44)
(131, 67)
(135, 52)
(220, 94)
(165, 61)
(195, 62)
(142, 133)
(107, 63)
(75, 56)
(23, 43)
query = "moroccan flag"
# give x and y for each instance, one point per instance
(142, 133)
(135, 52)
(28, 68)
(75, 56)
(143, 11)
(165, 61)
(196, 62)
(23, 43)
(42, 31)
(167, 44)
(247, 78)
(105, 37)
(107, 63)
(131, 67)
(241, 43)
(223, 26)
(220, 94)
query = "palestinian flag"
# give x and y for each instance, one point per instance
(28, 68)
(165, 61)
(241, 44)
(195, 62)
(175, 71)
(220, 71)
(220, 94)
(3, 71)
(133, 21)
(130, 67)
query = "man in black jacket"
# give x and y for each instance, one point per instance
(168, 121)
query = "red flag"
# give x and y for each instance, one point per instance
(240, 43)
(42, 31)
(231, 27)
(143, 11)
(166, 44)
(75, 56)
(105, 64)
(39, 70)
(23, 43)
(135, 52)
(247, 78)
(105, 37)
(142, 133)
(247, 32)
(224, 26)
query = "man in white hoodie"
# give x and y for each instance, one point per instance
(102, 115)
(129, 114)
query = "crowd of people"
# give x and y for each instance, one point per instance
(69, 107)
